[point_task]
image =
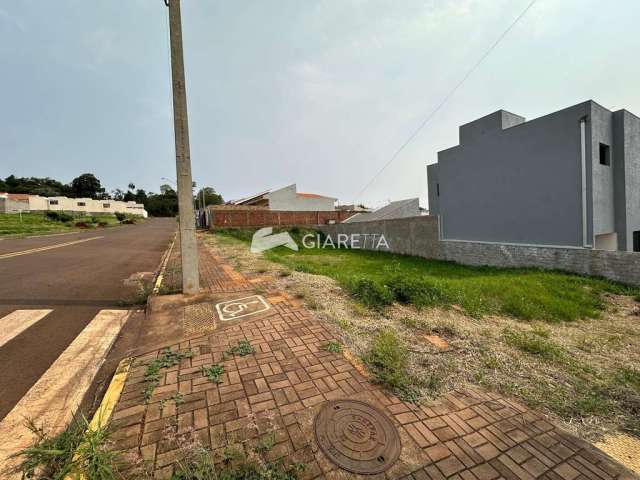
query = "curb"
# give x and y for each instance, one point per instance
(108, 403)
(163, 267)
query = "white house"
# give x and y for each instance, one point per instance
(36, 203)
(289, 199)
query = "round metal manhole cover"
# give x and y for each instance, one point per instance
(357, 437)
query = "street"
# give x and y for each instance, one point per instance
(51, 287)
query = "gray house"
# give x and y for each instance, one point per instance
(570, 178)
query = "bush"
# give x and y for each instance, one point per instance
(369, 292)
(416, 291)
(128, 221)
(94, 219)
(103, 224)
(121, 216)
(82, 225)
(58, 216)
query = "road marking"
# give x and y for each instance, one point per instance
(241, 307)
(55, 397)
(18, 321)
(42, 249)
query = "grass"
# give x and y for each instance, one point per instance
(78, 452)
(377, 279)
(533, 343)
(39, 224)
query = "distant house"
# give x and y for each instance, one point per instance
(21, 202)
(288, 199)
(397, 209)
(567, 179)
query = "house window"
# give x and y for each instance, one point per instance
(437, 189)
(106, 205)
(53, 202)
(605, 154)
(82, 204)
(636, 241)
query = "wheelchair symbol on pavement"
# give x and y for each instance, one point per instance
(241, 307)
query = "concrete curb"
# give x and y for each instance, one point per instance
(163, 267)
(103, 414)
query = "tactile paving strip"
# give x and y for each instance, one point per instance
(199, 318)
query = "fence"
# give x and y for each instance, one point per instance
(239, 217)
(419, 236)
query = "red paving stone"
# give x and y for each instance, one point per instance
(465, 435)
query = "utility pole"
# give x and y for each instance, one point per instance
(188, 244)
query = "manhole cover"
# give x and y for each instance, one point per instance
(357, 437)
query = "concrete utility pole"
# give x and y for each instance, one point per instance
(188, 244)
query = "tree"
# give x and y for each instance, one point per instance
(129, 196)
(86, 185)
(141, 196)
(47, 187)
(117, 194)
(132, 186)
(210, 197)
(165, 189)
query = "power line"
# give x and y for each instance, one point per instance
(446, 98)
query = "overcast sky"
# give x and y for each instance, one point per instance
(320, 93)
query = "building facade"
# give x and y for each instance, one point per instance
(570, 179)
(13, 203)
(289, 199)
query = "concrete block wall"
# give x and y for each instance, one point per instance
(419, 236)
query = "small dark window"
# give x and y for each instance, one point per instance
(605, 154)
(106, 205)
(636, 241)
(53, 202)
(437, 189)
(82, 204)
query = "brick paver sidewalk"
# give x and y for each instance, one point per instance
(467, 434)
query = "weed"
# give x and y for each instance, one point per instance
(410, 322)
(79, 452)
(333, 347)
(266, 443)
(243, 348)
(530, 342)
(166, 359)
(387, 359)
(284, 273)
(214, 372)
(629, 377)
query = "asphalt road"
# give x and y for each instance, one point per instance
(75, 275)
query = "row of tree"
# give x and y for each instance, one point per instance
(87, 185)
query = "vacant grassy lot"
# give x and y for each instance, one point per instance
(566, 345)
(38, 223)
(378, 279)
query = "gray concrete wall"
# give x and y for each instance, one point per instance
(12, 206)
(419, 236)
(432, 189)
(626, 170)
(601, 125)
(519, 185)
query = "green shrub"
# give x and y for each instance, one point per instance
(82, 225)
(94, 219)
(121, 216)
(416, 291)
(58, 216)
(369, 292)
(333, 347)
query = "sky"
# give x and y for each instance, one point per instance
(318, 93)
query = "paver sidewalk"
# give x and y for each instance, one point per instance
(467, 434)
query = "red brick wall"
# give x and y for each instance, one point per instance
(233, 217)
